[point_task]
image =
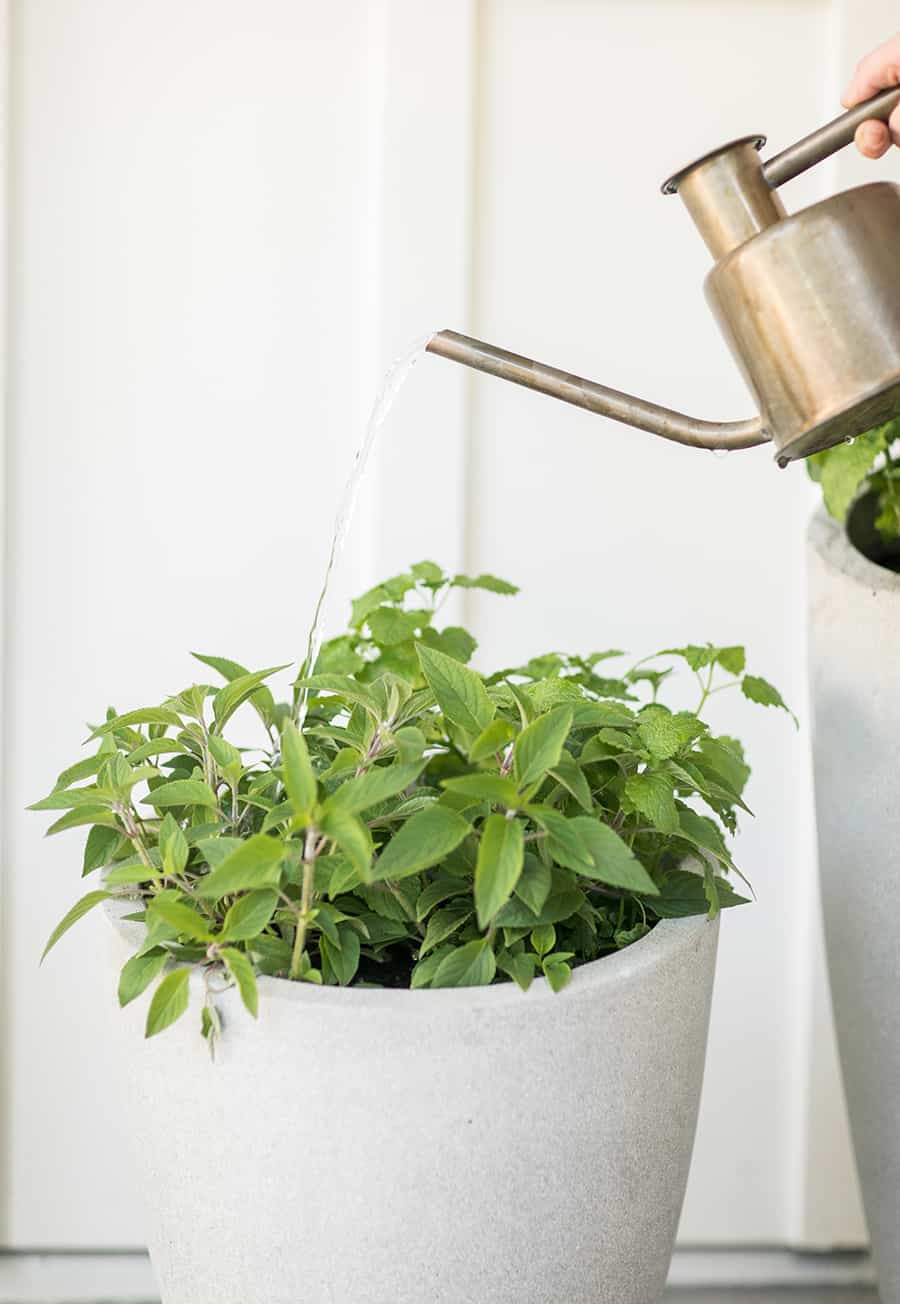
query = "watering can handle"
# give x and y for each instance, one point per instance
(819, 145)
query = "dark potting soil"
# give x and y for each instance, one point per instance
(862, 533)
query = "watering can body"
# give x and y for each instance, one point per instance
(809, 303)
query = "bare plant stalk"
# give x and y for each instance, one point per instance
(309, 870)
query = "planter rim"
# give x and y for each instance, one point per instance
(668, 938)
(828, 538)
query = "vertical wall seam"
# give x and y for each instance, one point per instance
(6, 155)
(478, 64)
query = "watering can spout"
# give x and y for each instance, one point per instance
(809, 303)
(588, 394)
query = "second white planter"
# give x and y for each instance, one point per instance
(390, 1147)
(854, 632)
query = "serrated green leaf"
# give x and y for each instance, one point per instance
(539, 746)
(557, 974)
(377, 785)
(722, 758)
(443, 924)
(543, 939)
(683, 893)
(135, 871)
(565, 845)
(145, 715)
(441, 889)
(569, 773)
(81, 770)
(81, 816)
(350, 834)
(500, 857)
(424, 840)
(261, 699)
(299, 776)
(181, 792)
(236, 691)
(453, 641)
(170, 1000)
(760, 690)
(343, 960)
(389, 625)
(343, 687)
(460, 692)
(139, 972)
(241, 970)
(535, 882)
(490, 583)
(519, 967)
(101, 843)
(249, 915)
(664, 734)
(78, 911)
(425, 969)
(732, 659)
(72, 798)
(254, 864)
(173, 846)
(491, 740)
(652, 796)
(614, 863)
(174, 911)
(485, 787)
(695, 655)
(428, 572)
(471, 965)
(214, 850)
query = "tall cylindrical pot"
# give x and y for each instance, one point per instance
(854, 650)
(389, 1147)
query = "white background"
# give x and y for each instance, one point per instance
(224, 219)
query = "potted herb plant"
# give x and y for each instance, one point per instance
(451, 939)
(854, 644)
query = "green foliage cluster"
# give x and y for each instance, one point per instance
(868, 463)
(407, 821)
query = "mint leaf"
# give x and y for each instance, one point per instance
(652, 796)
(760, 690)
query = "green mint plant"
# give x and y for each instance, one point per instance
(868, 464)
(406, 821)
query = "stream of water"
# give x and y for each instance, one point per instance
(393, 382)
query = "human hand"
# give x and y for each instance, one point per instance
(877, 71)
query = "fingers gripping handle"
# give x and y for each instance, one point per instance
(819, 145)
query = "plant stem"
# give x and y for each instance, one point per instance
(309, 868)
(707, 688)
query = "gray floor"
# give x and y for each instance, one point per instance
(820, 1295)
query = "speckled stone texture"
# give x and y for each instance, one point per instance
(854, 626)
(394, 1147)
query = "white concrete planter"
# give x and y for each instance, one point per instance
(394, 1147)
(854, 647)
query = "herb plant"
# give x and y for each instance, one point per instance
(869, 463)
(405, 821)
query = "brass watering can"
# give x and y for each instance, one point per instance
(809, 303)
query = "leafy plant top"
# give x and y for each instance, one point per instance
(406, 821)
(867, 463)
